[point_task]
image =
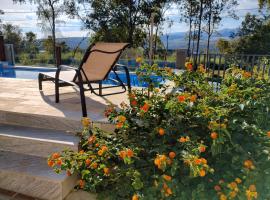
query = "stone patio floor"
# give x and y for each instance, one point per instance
(23, 96)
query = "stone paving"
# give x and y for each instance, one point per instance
(23, 96)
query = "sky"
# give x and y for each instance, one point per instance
(25, 17)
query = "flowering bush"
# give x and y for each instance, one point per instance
(185, 142)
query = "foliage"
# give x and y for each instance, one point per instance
(117, 20)
(12, 35)
(48, 11)
(223, 46)
(252, 37)
(185, 142)
(30, 44)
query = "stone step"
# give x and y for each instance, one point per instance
(47, 121)
(39, 121)
(29, 175)
(36, 141)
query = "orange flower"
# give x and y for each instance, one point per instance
(252, 188)
(87, 162)
(135, 197)
(223, 197)
(181, 98)
(202, 173)
(232, 185)
(249, 164)
(129, 153)
(247, 74)
(91, 139)
(204, 161)
(50, 163)
(169, 161)
(167, 178)
(106, 170)
(168, 192)
(193, 98)
(139, 59)
(238, 180)
(217, 188)
(214, 135)
(157, 162)
(55, 155)
(202, 148)
(59, 162)
(134, 103)
(189, 66)
(161, 131)
(182, 139)
(198, 161)
(68, 173)
(233, 194)
(122, 118)
(119, 125)
(268, 133)
(172, 155)
(122, 154)
(86, 121)
(100, 152)
(160, 161)
(81, 183)
(81, 151)
(145, 107)
(104, 148)
(97, 145)
(94, 165)
(201, 69)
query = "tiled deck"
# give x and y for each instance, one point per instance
(23, 96)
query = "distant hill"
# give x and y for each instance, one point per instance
(177, 40)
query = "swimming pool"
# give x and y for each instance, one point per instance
(24, 72)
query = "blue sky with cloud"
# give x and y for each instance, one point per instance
(25, 17)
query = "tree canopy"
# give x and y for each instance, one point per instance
(117, 20)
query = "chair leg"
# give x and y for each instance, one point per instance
(83, 103)
(100, 88)
(56, 91)
(40, 79)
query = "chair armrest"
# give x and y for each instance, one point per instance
(120, 65)
(126, 72)
(66, 67)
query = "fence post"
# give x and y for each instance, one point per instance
(58, 56)
(2, 49)
(181, 55)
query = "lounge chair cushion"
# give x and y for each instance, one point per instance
(69, 75)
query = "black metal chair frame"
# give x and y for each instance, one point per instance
(79, 82)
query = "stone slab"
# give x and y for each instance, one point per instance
(30, 175)
(35, 141)
(21, 103)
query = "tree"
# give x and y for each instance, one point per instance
(200, 18)
(223, 46)
(115, 20)
(30, 43)
(263, 3)
(214, 10)
(12, 35)
(1, 13)
(189, 10)
(47, 11)
(253, 36)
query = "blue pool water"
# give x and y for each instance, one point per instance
(32, 73)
